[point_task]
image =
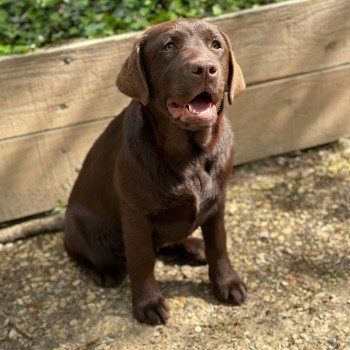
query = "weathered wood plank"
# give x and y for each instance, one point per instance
(289, 38)
(268, 119)
(37, 170)
(290, 114)
(59, 88)
(75, 83)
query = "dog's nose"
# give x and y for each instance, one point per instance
(204, 68)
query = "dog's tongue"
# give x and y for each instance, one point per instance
(200, 103)
(199, 108)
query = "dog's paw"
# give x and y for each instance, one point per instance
(152, 312)
(232, 291)
(108, 278)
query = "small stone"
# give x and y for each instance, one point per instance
(73, 322)
(287, 230)
(21, 311)
(266, 298)
(264, 236)
(182, 300)
(12, 334)
(156, 334)
(198, 329)
(305, 336)
(281, 160)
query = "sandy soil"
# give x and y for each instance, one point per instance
(288, 224)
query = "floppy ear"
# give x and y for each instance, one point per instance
(131, 80)
(235, 81)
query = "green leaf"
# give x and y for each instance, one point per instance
(3, 17)
(216, 9)
(25, 25)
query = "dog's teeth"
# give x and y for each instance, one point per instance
(192, 110)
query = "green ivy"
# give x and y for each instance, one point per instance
(27, 25)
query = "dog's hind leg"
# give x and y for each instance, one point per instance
(190, 250)
(95, 245)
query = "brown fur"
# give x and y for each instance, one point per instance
(149, 181)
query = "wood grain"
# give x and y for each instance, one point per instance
(268, 119)
(290, 114)
(38, 170)
(290, 38)
(76, 83)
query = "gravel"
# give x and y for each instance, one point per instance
(288, 220)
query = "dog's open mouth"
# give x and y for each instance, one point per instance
(201, 107)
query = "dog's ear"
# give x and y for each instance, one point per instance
(235, 81)
(132, 80)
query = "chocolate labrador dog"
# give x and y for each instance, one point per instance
(160, 168)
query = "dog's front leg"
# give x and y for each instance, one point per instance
(148, 302)
(228, 287)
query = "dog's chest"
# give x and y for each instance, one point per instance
(199, 189)
(188, 207)
(203, 189)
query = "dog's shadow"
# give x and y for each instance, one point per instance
(170, 288)
(186, 287)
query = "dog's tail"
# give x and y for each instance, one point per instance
(32, 228)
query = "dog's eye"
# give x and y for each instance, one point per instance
(169, 46)
(216, 44)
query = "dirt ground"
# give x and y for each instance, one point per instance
(288, 225)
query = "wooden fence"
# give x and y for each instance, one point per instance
(295, 57)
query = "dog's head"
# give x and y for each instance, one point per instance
(182, 69)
